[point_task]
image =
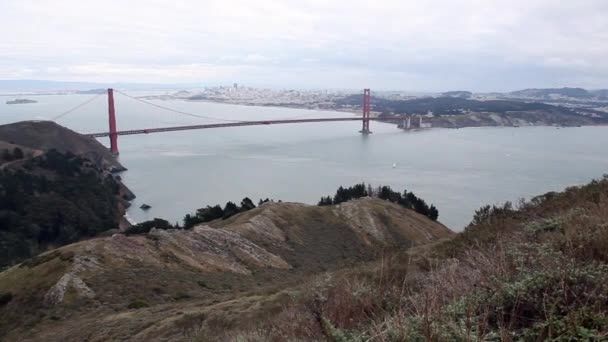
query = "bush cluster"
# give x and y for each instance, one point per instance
(406, 199)
(145, 227)
(210, 213)
(8, 155)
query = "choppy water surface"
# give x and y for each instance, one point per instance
(457, 170)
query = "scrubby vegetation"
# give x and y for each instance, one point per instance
(138, 304)
(407, 199)
(532, 272)
(210, 213)
(5, 298)
(53, 200)
(8, 155)
(145, 227)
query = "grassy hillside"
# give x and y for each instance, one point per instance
(166, 283)
(534, 273)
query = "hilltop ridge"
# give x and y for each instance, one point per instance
(46, 135)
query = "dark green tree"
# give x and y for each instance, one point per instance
(145, 227)
(17, 153)
(230, 209)
(325, 201)
(407, 199)
(210, 213)
(247, 204)
(6, 155)
(340, 196)
(191, 221)
(433, 213)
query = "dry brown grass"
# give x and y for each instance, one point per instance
(534, 273)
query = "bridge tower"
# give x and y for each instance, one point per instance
(112, 118)
(366, 111)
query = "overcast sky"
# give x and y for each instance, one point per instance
(430, 45)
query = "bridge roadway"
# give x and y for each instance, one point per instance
(233, 124)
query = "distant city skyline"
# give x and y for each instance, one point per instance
(430, 46)
(26, 85)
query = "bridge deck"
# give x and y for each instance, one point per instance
(232, 124)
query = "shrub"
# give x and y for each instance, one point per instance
(145, 227)
(5, 298)
(544, 226)
(138, 304)
(408, 199)
(18, 153)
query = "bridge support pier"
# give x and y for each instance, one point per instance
(112, 122)
(366, 111)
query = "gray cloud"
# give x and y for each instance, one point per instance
(412, 45)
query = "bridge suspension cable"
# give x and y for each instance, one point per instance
(177, 111)
(55, 118)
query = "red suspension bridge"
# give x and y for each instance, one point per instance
(114, 132)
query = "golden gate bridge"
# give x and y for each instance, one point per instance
(113, 131)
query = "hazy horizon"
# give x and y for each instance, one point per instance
(394, 45)
(32, 85)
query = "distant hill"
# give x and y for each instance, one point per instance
(547, 92)
(458, 93)
(93, 91)
(601, 93)
(456, 112)
(147, 284)
(46, 135)
(451, 105)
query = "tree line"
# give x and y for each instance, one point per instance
(202, 215)
(211, 213)
(406, 199)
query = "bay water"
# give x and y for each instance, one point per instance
(458, 170)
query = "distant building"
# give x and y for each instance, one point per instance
(414, 122)
(424, 124)
(236, 86)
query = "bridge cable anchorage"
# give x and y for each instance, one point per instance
(178, 111)
(77, 107)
